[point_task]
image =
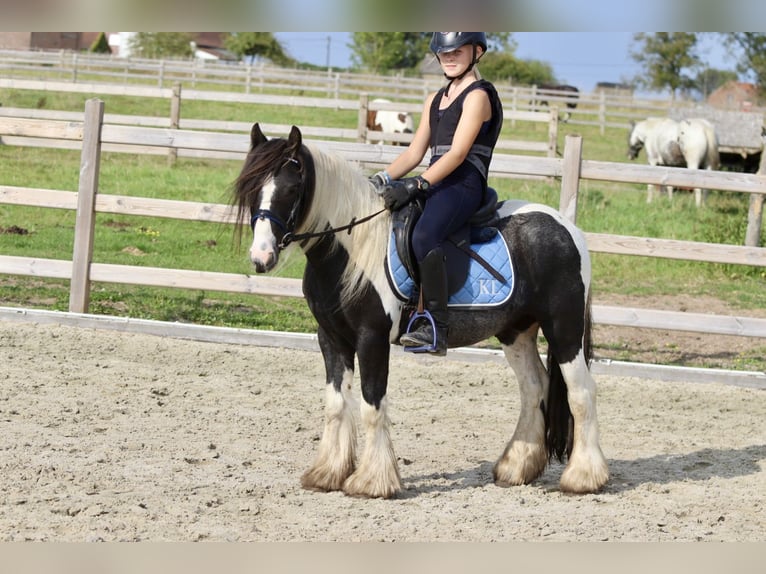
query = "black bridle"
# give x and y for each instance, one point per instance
(288, 227)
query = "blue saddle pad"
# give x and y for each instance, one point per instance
(480, 288)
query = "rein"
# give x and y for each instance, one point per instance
(289, 236)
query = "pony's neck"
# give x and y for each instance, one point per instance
(342, 194)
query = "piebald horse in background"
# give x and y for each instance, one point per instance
(388, 121)
(291, 193)
(690, 143)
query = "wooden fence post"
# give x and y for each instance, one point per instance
(90, 162)
(161, 74)
(553, 132)
(514, 104)
(570, 176)
(602, 113)
(755, 213)
(175, 120)
(364, 104)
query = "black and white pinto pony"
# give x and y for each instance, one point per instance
(544, 92)
(388, 121)
(690, 143)
(294, 192)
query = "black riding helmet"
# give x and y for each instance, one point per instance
(448, 41)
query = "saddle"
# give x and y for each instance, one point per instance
(479, 270)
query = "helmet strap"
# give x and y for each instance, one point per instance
(468, 69)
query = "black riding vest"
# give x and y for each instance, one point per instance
(443, 124)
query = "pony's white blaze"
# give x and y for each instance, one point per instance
(263, 250)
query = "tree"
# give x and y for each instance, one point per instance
(100, 45)
(162, 44)
(710, 79)
(752, 61)
(262, 44)
(501, 66)
(385, 51)
(668, 59)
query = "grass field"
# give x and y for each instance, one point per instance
(155, 242)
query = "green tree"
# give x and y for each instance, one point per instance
(385, 51)
(501, 66)
(752, 58)
(668, 59)
(100, 45)
(262, 44)
(162, 44)
(710, 79)
(381, 52)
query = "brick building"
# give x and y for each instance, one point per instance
(75, 41)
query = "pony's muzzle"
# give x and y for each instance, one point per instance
(264, 256)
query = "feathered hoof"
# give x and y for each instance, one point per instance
(320, 479)
(366, 487)
(579, 480)
(519, 466)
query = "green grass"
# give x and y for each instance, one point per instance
(157, 242)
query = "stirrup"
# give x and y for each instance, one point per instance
(422, 348)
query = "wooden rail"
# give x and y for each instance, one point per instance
(175, 94)
(93, 134)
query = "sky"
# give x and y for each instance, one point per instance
(581, 59)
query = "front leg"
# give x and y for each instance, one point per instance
(377, 475)
(335, 460)
(525, 456)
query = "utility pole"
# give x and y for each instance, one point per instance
(329, 41)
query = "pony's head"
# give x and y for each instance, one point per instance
(635, 141)
(271, 193)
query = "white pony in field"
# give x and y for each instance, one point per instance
(388, 121)
(691, 143)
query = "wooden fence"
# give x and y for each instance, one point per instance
(92, 135)
(175, 95)
(602, 109)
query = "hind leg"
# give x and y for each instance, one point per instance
(525, 456)
(335, 459)
(700, 196)
(586, 470)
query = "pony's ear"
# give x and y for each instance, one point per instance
(294, 140)
(256, 136)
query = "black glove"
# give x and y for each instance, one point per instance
(380, 180)
(402, 191)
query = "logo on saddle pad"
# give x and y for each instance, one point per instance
(471, 285)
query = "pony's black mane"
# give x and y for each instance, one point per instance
(258, 167)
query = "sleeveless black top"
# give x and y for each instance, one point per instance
(443, 124)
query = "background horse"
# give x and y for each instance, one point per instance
(691, 143)
(545, 91)
(388, 121)
(291, 192)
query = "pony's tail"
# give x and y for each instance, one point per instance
(559, 431)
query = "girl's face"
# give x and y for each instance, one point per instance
(455, 62)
